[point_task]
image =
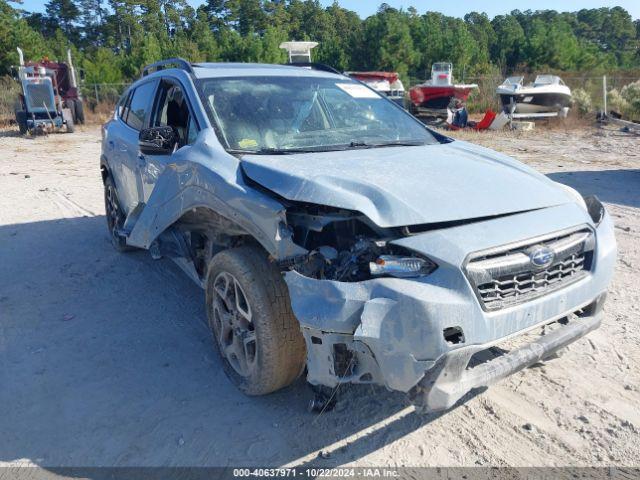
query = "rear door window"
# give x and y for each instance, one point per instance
(123, 106)
(139, 105)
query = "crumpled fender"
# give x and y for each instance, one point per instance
(190, 181)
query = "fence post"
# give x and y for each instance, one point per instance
(95, 87)
(604, 92)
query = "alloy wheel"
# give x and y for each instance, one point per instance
(232, 324)
(112, 210)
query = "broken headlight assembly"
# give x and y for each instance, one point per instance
(401, 266)
(594, 208)
(366, 259)
(345, 246)
(590, 203)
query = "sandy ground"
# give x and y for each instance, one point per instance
(105, 359)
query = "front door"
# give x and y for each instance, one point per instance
(171, 108)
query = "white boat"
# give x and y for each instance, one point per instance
(547, 94)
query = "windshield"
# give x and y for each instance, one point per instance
(288, 114)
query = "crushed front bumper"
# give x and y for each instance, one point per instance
(452, 378)
(418, 335)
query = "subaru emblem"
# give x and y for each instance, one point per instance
(541, 257)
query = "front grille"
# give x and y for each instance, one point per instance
(39, 96)
(506, 276)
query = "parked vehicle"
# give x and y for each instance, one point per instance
(332, 230)
(387, 83)
(434, 96)
(50, 99)
(547, 93)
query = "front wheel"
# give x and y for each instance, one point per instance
(250, 316)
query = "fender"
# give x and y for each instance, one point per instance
(188, 185)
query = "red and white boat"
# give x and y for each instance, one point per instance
(388, 83)
(434, 96)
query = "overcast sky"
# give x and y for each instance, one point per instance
(456, 8)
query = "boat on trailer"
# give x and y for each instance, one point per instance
(548, 94)
(434, 96)
(387, 83)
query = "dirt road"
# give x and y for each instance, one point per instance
(105, 358)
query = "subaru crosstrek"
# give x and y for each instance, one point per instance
(337, 236)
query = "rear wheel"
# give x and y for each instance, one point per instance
(77, 110)
(115, 216)
(21, 120)
(250, 316)
(70, 125)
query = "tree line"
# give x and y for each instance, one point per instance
(112, 39)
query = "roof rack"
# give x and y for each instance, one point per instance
(180, 63)
(315, 66)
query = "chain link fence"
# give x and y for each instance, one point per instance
(95, 94)
(100, 98)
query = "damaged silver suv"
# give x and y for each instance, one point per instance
(336, 235)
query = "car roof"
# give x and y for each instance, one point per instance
(215, 70)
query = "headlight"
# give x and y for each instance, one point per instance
(402, 267)
(595, 209)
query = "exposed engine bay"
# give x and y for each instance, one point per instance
(345, 246)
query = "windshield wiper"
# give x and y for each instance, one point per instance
(326, 148)
(392, 143)
(285, 151)
(281, 151)
(397, 143)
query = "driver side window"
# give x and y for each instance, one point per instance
(172, 110)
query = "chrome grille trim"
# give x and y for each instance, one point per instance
(504, 276)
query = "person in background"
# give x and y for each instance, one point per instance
(460, 115)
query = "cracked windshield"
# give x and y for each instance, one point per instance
(299, 114)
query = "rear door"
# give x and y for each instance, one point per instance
(112, 150)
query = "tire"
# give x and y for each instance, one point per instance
(21, 120)
(243, 286)
(78, 111)
(71, 105)
(115, 216)
(70, 125)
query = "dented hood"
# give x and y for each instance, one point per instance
(397, 186)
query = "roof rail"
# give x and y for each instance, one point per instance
(315, 66)
(178, 62)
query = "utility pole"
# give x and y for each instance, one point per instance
(604, 93)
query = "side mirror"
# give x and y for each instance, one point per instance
(158, 140)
